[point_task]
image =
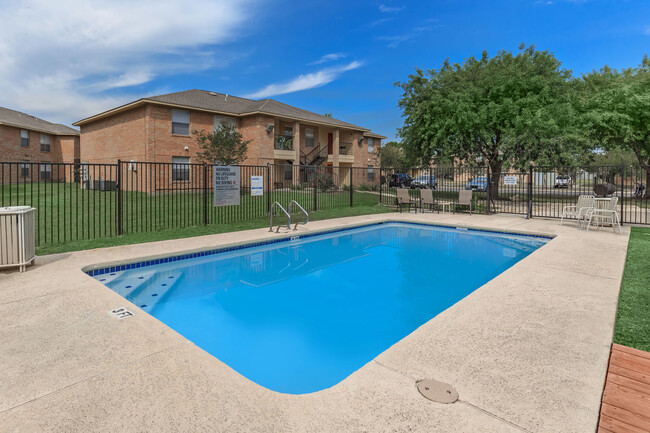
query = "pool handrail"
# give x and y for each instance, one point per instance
(303, 211)
(275, 203)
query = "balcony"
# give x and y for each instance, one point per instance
(283, 147)
(283, 142)
(346, 153)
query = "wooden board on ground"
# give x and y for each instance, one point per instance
(626, 399)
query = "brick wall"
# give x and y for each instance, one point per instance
(121, 136)
(69, 146)
(260, 149)
(62, 149)
(362, 159)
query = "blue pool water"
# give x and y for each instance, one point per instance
(302, 315)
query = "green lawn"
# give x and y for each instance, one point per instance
(633, 319)
(67, 213)
(160, 235)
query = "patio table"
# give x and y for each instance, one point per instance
(601, 203)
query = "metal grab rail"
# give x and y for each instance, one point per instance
(285, 212)
(303, 211)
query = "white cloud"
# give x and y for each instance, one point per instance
(57, 57)
(394, 41)
(304, 82)
(128, 79)
(380, 21)
(389, 9)
(332, 57)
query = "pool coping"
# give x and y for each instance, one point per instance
(564, 295)
(117, 266)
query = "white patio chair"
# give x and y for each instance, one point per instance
(579, 210)
(606, 215)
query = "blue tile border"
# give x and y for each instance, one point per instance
(126, 266)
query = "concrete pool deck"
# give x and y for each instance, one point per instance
(527, 351)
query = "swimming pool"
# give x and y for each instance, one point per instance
(300, 315)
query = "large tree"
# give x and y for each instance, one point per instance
(392, 155)
(510, 109)
(616, 107)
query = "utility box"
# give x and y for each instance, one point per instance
(17, 236)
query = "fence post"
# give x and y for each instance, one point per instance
(622, 194)
(530, 192)
(118, 208)
(488, 183)
(380, 182)
(205, 194)
(315, 183)
(351, 193)
(268, 188)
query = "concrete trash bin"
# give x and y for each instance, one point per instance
(17, 236)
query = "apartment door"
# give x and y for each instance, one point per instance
(330, 143)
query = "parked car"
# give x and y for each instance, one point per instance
(425, 181)
(399, 180)
(478, 184)
(563, 181)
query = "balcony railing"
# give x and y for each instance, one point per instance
(283, 142)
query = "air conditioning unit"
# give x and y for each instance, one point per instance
(17, 236)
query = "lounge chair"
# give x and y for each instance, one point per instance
(464, 199)
(404, 199)
(579, 211)
(605, 215)
(426, 199)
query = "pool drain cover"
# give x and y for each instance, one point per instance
(437, 391)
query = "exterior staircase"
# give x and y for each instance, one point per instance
(317, 156)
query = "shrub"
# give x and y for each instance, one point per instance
(325, 182)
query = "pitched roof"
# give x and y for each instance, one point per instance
(374, 135)
(219, 102)
(27, 121)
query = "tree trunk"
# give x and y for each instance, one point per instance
(646, 167)
(495, 177)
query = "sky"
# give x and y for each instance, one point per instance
(67, 60)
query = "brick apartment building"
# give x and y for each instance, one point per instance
(159, 129)
(28, 140)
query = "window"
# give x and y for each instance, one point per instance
(219, 119)
(288, 172)
(24, 138)
(46, 140)
(24, 169)
(371, 144)
(371, 172)
(180, 122)
(180, 168)
(288, 131)
(309, 137)
(46, 171)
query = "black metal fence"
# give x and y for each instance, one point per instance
(538, 192)
(88, 201)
